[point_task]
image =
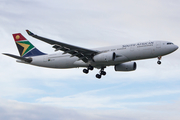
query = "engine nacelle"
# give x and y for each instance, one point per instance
(105, 57)
(129, 66)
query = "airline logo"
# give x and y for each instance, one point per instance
(24, 46)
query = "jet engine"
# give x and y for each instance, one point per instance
(105, 57)
(129, 66)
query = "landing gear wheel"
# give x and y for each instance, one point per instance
(85, 71)
(90, 67)
(98, 76)
(159, 62)
(103, 73)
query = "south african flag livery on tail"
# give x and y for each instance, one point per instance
(26, 49)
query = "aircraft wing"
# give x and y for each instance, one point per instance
(82, 53)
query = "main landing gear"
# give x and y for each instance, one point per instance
(88, 68)
(159, 58)
(101, 72)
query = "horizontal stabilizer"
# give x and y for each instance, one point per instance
(29, 60)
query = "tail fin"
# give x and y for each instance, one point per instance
(26, 49)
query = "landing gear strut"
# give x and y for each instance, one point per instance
(86, 71)
(101, 72)
(159, 58)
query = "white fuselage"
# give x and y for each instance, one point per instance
(124, 53)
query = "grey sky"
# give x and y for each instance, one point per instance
(150, 92)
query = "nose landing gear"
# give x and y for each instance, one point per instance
(159, 58)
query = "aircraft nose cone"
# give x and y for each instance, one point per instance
(176, 47)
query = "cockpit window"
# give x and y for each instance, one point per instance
(169, 43)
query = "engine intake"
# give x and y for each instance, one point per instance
(105, 57)
(129, 66)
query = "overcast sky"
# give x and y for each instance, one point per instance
(150, 92)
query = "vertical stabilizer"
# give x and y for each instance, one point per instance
(26, 49)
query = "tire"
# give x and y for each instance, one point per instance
(85, 71)
(98, 76)
(103, 73)
(159, 62)
(90, 67)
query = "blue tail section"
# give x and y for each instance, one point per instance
(34, 52)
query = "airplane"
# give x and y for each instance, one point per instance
(119, 56)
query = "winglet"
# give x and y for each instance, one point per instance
(29, 33)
